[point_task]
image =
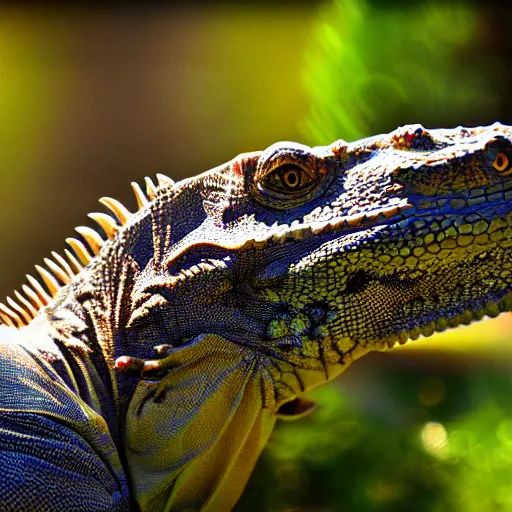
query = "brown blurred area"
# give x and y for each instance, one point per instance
(94, 97)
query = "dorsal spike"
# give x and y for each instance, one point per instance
(164, 181)
(142, 200)
(7, 320)
(63, 264)
(16, 307)
(51, 283)
(41, 293)
(32, 295)
(106, 222)
(118, 209)
(80, 250)
(150, 188)
(12, 315)
(28, 305)
(57, 271)
(74, 262)
(93, 239)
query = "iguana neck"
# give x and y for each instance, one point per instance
(83, 327)
(89, 318)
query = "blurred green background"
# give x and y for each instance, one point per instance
(93, 97)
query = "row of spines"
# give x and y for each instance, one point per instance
(61, 270)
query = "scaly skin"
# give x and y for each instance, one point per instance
(228, 295)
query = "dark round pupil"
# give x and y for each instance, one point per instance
(291, 178)
(500, 161)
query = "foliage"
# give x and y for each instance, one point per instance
(452, 455)
(373, 66)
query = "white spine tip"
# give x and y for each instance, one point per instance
(92, 238)
(150, 188)
(80, 250)
(164, 181)
(142, 200)
(118, 209)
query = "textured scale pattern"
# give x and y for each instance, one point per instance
(146, 370)
(53, 458)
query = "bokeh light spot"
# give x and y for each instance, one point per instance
(435, 439)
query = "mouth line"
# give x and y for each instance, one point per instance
(426, 314)
(447, 320)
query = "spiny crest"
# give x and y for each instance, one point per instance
(60, 270)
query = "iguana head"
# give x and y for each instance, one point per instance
(311, 257)
(298, 260)
(269, 275)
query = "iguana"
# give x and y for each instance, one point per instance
(147, 370)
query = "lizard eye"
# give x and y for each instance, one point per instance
(288, 179)
(289, 175)
(501, 164)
